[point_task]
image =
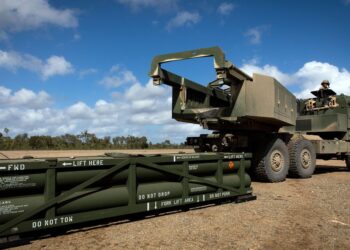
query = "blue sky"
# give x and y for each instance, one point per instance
(68, 66)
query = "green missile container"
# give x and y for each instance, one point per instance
(38, 194)
(13, 185)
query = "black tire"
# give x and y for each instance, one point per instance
(273, 162)
(347, 161)
(302, 158)
(198, 149)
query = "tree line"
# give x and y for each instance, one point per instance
(84, 140)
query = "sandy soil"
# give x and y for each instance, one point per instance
(69, 153)
(296, 214)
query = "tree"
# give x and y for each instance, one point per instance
(20, 141)
(6, 131)
(84, 140)
(41, 142)
(5, 141)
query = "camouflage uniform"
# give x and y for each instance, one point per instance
(324, 86)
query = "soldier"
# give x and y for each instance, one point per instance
(322, 95)
(325, 84)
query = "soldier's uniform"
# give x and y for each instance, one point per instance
(324, 86)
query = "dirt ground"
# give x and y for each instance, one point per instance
(296, 214)
(68, 153)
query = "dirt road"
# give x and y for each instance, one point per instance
(296, 214)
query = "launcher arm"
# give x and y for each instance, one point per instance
(192, 100)
(225, 71)
(216, 52)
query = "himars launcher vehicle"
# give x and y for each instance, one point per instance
(258, 114)
(258, 125)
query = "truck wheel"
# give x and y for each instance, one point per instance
(274, 163)
(198, 149)
(347, 161)
(302, 158)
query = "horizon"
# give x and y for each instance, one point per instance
(71, 66)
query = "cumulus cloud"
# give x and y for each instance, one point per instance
(254, 35)
(225, 8)
(13, 60)
(141, 109)
(314, 72)
(79, 110)
(158, 5)
(176, 131)
(54, 65)
(307, 78)
(19, 15)
(117, 76)
(269, 70)
(24, 98)
(140, 92)
(183, 18)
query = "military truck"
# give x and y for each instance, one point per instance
(257, 114)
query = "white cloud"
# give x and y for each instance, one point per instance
(79, 111)
(314, 72)
(141, 109)
(158, 5)
(24, 98)
(255, 34)
(18, 15)
(176, 130)
(148, 104)
(144, 118)
(13, 60)
(307, 78)
(54, 65)
(103, 107)
(346, 2)
(183, 18)
(86, 72)
(269, 70)
(118, 76)
(225, 8)
(140, 92)
(143, 104)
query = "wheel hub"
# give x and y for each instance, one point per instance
(277, 160)
(305, 158)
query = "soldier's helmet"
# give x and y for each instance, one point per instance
(325, 83)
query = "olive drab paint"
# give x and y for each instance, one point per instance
(233, 101)
(49, 193)
(258, 114)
